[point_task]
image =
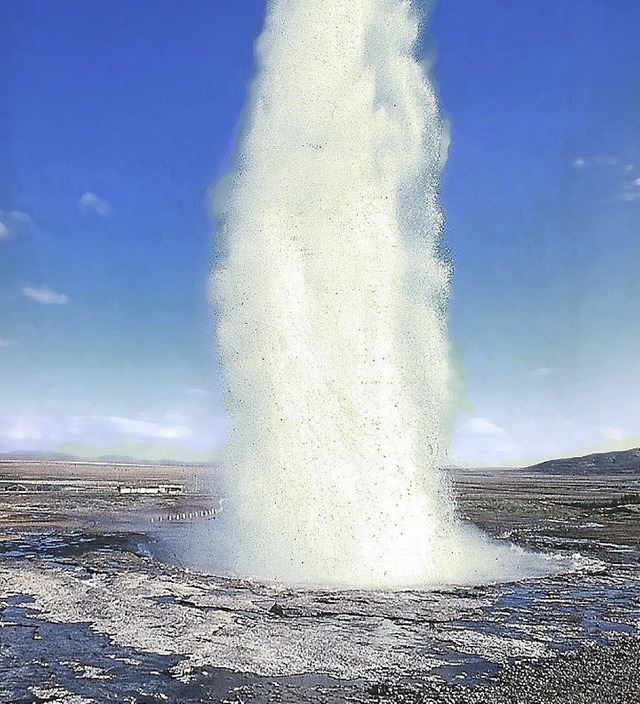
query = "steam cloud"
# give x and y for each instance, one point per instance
(331, 300)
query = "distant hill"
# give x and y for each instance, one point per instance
(138, 453)
(620, 462)
(44, 456)
(123, 459)
(27, 456)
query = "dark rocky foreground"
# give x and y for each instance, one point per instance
(88, 614)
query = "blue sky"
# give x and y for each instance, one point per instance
(117, 117)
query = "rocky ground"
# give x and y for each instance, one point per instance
(88, 613)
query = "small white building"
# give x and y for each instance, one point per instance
(157, 489)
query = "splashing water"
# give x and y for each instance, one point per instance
(331, 301)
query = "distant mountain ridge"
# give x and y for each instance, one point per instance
(44, 456)
(618, 462)
(29, 456)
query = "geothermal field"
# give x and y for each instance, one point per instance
(330, 556)
(97, 603)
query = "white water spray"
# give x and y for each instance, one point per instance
(331, 302)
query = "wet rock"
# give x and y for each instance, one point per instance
(277, 610)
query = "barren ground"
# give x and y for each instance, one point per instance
(88, 613)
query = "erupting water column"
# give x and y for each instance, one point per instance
(331, 300)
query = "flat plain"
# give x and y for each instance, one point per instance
(99, 604)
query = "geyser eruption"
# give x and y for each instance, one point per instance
(331, 300)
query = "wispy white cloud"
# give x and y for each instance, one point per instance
(544, 372)
(30, 431)
(148, 429)
(6, 342)
(42, 426)
(479, 440)
(508, 451)
(45, 295)
(612, 434)
(25, 428)
(484, 426)
(19, 216)
(11, 221)
(22, 430)
(90, 201)
(530, 440)
(197, 391)
(605, 161)
(583, 162)
(631, 190)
